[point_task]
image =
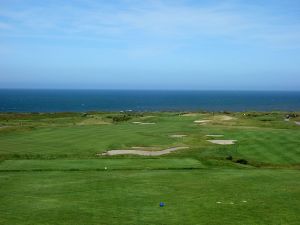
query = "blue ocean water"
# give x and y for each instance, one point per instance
(117, 100)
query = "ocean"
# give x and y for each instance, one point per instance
(140, 100)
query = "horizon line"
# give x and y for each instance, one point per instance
(133, 89)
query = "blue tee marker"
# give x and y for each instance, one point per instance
(161, 204)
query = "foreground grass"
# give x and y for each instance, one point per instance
(132, 197)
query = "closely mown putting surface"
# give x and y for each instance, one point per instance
(52, 171)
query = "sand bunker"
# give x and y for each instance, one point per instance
(298, 123)
(214, 135)
(201, 121)
(145, 148)
(143, 152)
(223, 142)
(177, 135)
(190, 114)
(141, 123)
(226, 118)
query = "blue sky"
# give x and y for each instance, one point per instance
(150, 44)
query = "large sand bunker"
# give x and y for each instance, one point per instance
(143, 152)
(298, 123)
(223, 142)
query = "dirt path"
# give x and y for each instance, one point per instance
(142, 152)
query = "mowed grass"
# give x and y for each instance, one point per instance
(99, 164)
(273, 146)
(259, 143)
(51, 173)
(89, 140)
(245, 197)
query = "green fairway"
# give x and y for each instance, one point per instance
(99, 164)
(52, 170)
(133, 197)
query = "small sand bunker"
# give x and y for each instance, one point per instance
(141, 123)
(142, 152)
(202, 121)
(214, 135)
(190, 114)
(297, 123)
(226, 118)
(223, 142)
(177, 135)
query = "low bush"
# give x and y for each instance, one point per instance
(229, 158)
(242, 161)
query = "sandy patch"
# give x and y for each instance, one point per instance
(298, 123)
(145, 148)
(214, 135)
(223, 142)
(190, 114)
(177, 135)
(226, 118)
(141, 123)
(286, 120)
(142, 152)
(202, 121)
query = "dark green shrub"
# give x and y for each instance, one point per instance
(229, 158)
(121, 118)
(242, 161)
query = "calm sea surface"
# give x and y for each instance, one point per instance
(116, 100)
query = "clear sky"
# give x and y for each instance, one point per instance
(150, 44)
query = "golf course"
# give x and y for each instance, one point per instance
(144, 168)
